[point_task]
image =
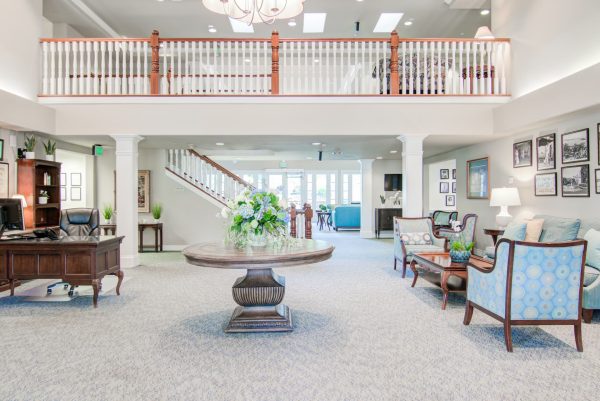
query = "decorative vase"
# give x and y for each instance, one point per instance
(460, 256)
(43, 200)
(30, 155)
(257, 240)
(108, 221)
(50, 158)
(156, 221)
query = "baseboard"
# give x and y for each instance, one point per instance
(129, 261)
(174, 248)
(367, 234)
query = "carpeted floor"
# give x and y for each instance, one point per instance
(361, 334)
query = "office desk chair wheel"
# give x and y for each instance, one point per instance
(72, 290)
(52, 286)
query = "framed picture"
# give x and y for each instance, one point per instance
(546, 152)
(63, 194)
(450, 200)
(478, 178)
(454, 187)
(4, 180)
(575, 181)
(444, 187)
(63, 179)
(444, 174)
(576, 146)
(75, 193)
(75, 179)
(522, 154)
(454, 174)
(1, 149)
(598, 181)
(545, 184)
(143, 191)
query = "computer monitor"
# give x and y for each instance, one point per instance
(11, 214)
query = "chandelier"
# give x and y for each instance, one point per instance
(256, 11)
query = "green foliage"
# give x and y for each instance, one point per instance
(50, 147)
(44, 194)
(29, 143)
(323, 207)
(460, 245)
(157, 210)
(108, 211)
(382, 199)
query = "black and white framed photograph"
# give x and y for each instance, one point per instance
(63, 179)
(75, 179)
(444, 174)
(598, 181)
(444, 187)
(522, 154)
(63, 194)
(575, 146)
(575, 181)
(454, 174)
(454, 187)
(75, 193)
(450, 200)
(546, 152)
(545, 184)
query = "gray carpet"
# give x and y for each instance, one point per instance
(361, 334)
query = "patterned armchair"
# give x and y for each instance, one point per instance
(530, 284)
(467, 230)
(414, 235)
(443, 219)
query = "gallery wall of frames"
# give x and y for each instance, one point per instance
(578, 173)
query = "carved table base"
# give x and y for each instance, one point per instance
(259, 295)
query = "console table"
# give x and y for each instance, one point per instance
(158, 234)
(384, 219)
(74, 260)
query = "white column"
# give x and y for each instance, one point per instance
(366, 204)
(126, 207)
(412, 174)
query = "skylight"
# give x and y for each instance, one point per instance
(240, 27)
(387, 22)
(314, 22)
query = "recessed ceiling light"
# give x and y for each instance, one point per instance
(160, 1)
(485, 12)
(220, 144)
(379, 157)
(360, 1)
(292, 22)
(212, 29)
(387, 22)
(240, 27)
(408, 23)
(314, 22)
(393, 152)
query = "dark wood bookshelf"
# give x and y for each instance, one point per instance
(30, 181)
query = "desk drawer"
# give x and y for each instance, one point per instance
(24, 265)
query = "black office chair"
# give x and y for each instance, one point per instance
(77, 222)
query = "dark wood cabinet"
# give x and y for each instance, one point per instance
(34, 176)
(384, 219)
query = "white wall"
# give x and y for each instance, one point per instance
(551, 39)
(77, 163)
(500, 154)
(380, 168)
(435, 199)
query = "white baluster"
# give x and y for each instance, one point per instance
(145, 78)
(468, 68)
(432, 68)
(490, 88)
(131, 80)
(67, 68)
(124, 78)
(102, 68)
(76, 88)
(46, 72)
(95, 76)
(138, 79)
(88, 68)
(111, 77)
(118, 50)
(60, 78)
(53, 68)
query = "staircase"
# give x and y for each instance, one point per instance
(204, 176)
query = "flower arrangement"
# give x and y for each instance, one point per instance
(256, 218)
(460, 250)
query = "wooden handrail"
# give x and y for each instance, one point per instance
(222, 169)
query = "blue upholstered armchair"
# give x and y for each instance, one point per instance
(443, 219)
(414, 235)
(530, 284)
(466, 232)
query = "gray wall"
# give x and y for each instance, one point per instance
(500, 155)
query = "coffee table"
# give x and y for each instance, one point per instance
(437, 268)
(261, 291)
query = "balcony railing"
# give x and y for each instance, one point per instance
(263, 67)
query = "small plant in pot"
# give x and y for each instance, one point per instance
(460, 250)
(30, 142)
(323, 207)
(157, 210)
(43, 198)
(107, 213)
(50, 149)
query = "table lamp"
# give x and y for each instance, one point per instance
(504, 197)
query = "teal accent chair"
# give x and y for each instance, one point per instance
(346, 217)
(402, 251)
(466, 232)
(531, 283)
(443, 219)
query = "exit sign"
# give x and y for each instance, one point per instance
(97, 150)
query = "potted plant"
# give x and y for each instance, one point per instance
(323, 207)
(107, 213)
(382, 199)
(50, 149)
(460, 250)
(43, 198)
(29, 144)
(157, 211)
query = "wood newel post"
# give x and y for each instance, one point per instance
(394, 76)
(308, 215)
(293, 215)
(155, 70)
(275, 63)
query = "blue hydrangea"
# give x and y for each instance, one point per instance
(246, 211)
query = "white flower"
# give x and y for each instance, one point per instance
(254, 224)
(225, 212)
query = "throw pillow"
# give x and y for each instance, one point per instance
(416, 238)
(593, 248)
(559, 229)
(534, 230)
(515, 231)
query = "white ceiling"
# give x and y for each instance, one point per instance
(189, 18)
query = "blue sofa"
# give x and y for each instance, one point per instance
(346, 217)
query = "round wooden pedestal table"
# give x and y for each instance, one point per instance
(260, 292)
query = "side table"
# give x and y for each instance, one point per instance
(494, 233)
(105, 228)
(158, 235)
(324, 218)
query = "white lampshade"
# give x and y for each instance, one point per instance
(483, 32)
(23, 201)
(505, 197)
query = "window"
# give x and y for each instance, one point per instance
(294, 188)
(351, 187)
